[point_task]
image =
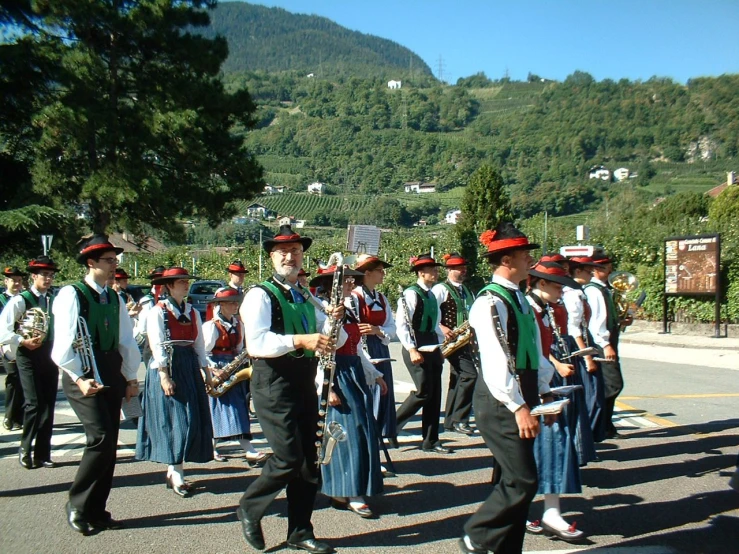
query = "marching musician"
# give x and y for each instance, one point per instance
(39, 376)
(455, 301)
(224, 340)
(354, 471)
(504, 396)
(578, 320)
(281, 336)
(14, 401)
(377, 326)
(146, 303)
(557, 462)
(236, 275)
(605, 327)
(120, 285)
(303, 278)
(417, 328)
(175, 425)
(95, 393)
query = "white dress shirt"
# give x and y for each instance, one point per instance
(139, 328)
(388, 327)
(256, 313)
(156, 333)
(574, 300)
(598, 324)
(403, 325)
(66, 313)
(494, 365)
(11, 315)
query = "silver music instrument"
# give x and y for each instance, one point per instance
(34, 325)
(459, 337)
(328, 434)
(622, 283)
(82, 345)
(237, 370)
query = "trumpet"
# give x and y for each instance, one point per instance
(34, 325)
(82, 345)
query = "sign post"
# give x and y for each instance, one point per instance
(46, 242)
(693, 268)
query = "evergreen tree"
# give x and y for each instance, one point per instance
(137, 127)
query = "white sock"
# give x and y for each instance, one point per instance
(247, 446)
(178, 475)
(552, 516)
(356, 501)
(170, 470)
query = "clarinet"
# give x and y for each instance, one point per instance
(503, 340)
(563, 347)
(407, 313)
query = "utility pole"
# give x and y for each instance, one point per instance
(405, 110)
(441, 68)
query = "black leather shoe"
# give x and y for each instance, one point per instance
(77, 521)
(476, 548)
(49, 464)
(393, 442)
(439, 449)
(252, 530)
(8, 426)
(463, 428)
(24, 459)
(613, 435)
(311, 545)
(107, 523)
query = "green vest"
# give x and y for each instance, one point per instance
(611, 311)
(463, 305)
(32, 301)
(4, 298)
(429, 317)
(527, 355)
(102, 319)
(293, 314)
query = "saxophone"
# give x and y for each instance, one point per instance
(237, 370)
(328, 434)
(458, 338)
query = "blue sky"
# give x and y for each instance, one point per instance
(608, 39)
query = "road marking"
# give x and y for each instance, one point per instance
(657, 421)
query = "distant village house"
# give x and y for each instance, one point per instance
(274, 189)
(315, 188)
(621, 174)
(599, 172)
(394, 84)
(730, 181)
(419, 187)
(452, 216)
(286, 220)
(260, 211)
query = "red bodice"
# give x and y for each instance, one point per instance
(350, 346)
(560, 317)
(226, 343)
(547, 336)
(367, 315)
(181, 331)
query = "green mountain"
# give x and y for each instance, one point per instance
(274, 39)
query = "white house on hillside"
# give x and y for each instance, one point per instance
(419, 187)
(286, 220)
(621, 174)
(452, 216)
(315, 188)
(394, 84)
(599, 172)
(270, 189)
(256, 210)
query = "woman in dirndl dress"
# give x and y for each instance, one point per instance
(578, 316)
(354, 471)
(175, 425)
(377, 326)
(554, 448)
(224, 340)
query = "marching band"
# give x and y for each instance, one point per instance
(320, 376)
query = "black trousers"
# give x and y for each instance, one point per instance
(13, 393)
(462, 379)
(500, 523)
(427, 396)
(100, 415)
(613, 384)
(39, 378)
(284, 395)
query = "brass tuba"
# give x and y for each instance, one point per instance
(35, 324)
(237, 370)
(622, 283)
(459, 338)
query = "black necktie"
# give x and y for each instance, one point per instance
(104, 297)
(42, 301)
(183, 318)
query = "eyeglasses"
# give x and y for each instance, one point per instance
(109, 260)
(285, 251)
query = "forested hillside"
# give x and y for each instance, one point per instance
(360, 137)
(273, 39)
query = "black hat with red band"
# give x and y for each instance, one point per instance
(284, 236)
(422, 261)
(556, 258)
(94, 247)
(156, 272)
(120, 273)
(454, 260)
(13, 271)
(41, 263)
(586, 261)
(327, 273)
(554, 272)
(237, 266)
(172, 274)
(601, 258)
(226, 294)
(303, 273)
(368, 262)
(505, 238)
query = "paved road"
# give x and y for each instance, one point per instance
(662, 489)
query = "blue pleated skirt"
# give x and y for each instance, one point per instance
(176, 429)
(230, 411)
(354, 469)
(384, 406)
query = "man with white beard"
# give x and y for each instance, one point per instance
(282, 338)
